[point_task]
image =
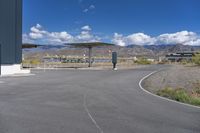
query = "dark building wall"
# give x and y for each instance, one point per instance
(11, 31)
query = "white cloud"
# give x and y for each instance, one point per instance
(90, 8)
(38, 26)
(86, 36)
(118, 39)
(60, 37)
(86, 28)
(137, 39)
(85, 10)
(37, 29)
(38, 34)
(34, 29)
(26, 38)
(34, 35)
(183, 37)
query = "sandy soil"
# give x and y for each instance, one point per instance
(177, 76)
(85, 66)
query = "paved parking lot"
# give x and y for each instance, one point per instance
(89, 101)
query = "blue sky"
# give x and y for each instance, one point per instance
(123, 22)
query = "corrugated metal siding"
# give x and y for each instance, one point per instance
(11, 31)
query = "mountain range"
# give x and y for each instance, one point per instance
(150, 51)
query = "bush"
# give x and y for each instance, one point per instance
(34, 62)
(143, 61)
(185, 62)
(180, 95)
(196, 59)
(26, 62)
(196, 90)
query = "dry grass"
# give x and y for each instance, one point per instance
(180, 95)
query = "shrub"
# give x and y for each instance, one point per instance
(180, 95)
(34, 62)
(196, 90)
(196, 59)
(26, 62)
(185, 62)
(143, 61)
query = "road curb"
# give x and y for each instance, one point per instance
(163, 98)
(17, 75)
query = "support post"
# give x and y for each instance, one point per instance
(114, 60)
(0, 59)
(90, 56)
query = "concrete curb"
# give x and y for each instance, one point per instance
(17, 75)
(163, 98)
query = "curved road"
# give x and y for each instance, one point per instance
(83, 101)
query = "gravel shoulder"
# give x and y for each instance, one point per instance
(175, 76)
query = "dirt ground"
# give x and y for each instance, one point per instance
(85, 65)
(176, 76)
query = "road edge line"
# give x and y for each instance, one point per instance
(170, 100)
(90, 116)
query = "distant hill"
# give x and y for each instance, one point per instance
(151, 51)
(173, 48)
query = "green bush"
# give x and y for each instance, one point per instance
(195, 101)
(35, 62)
(26, 62)
(196, 59)
(143, 61)
(180, 95)
(185, 62)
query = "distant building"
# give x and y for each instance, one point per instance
(10, 36)
(177, 57)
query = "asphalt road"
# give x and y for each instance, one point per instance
(84, 101)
